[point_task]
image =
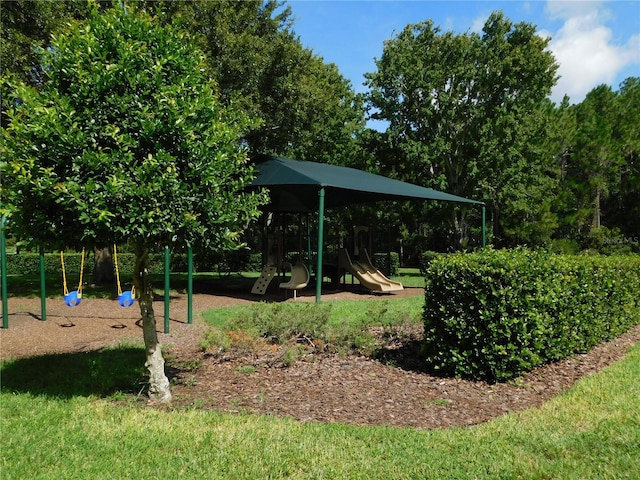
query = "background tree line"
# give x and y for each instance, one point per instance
(466, 113)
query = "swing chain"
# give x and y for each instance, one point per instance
(115, 261)
(64, 274)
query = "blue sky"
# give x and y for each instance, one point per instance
(594, 42)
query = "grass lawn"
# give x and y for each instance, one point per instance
(591, 431)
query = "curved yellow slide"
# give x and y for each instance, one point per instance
(370, 277)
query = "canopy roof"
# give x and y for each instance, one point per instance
(294, 185)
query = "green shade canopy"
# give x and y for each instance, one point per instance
(300, 186)
(294, 186)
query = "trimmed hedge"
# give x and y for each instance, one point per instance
(425, 260)
(29, 263)
(495, 314)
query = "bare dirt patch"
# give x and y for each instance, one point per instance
(322, 387)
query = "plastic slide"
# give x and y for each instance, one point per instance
(377, 274)
(368, 276)
(263, 281)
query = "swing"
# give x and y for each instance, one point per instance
(72, 299)
(125, 299)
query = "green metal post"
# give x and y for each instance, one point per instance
(189, 285)
(309, 244)
(484, 226)
(320, 244)
(43, 287)
(167, 263)
(3, 266)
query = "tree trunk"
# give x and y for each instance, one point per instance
(596, 210)
(158, 382)
(461, 229)
(103, 266)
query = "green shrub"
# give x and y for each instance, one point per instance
(566, 246)
(425, 260)
(495, 314)
(29, 263)
(387, 263)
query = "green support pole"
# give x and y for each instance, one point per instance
(167, 263)
(484, 226)
(189, 285)
(309, 244)
(320, 244)
(43, 287)
(3, 266)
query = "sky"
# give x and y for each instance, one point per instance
(594, 42)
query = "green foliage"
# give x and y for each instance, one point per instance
(425, 260)
(125, 141)
(308, 109)
(496, 314)
(274, 323)
(464, 117)
(26, 23)
(388, 263)
(343, 327)
(29, 263)
(597, 161)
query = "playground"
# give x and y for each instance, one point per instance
(355, 389)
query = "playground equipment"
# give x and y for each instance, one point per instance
(368, 276)
(274, 246)
(43, 296)
(74, 298)
(128, 298)
(263, 281)
(299, 278)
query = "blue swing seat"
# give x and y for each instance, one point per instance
(126, 299)
(73, 299)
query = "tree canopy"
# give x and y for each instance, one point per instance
(308, 109)
(467, 114)
(125, 140)
(462, 111)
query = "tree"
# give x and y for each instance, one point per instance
(308, 109)
(600, 169)
(126, 141)
(623, 208)
(464, 113)
(597, 155)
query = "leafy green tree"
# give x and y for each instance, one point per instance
(464, 113)
(308, 109)
(26, 23)
(559, 145)
(623, 208)
(126, 141)
(597, 156)
(595, 144)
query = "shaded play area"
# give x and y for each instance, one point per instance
(307, 190)
(302, 187)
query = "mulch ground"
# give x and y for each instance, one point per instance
(318, 387)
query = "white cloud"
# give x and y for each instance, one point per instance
(478, 24)
(584, 49)
(564, 9)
